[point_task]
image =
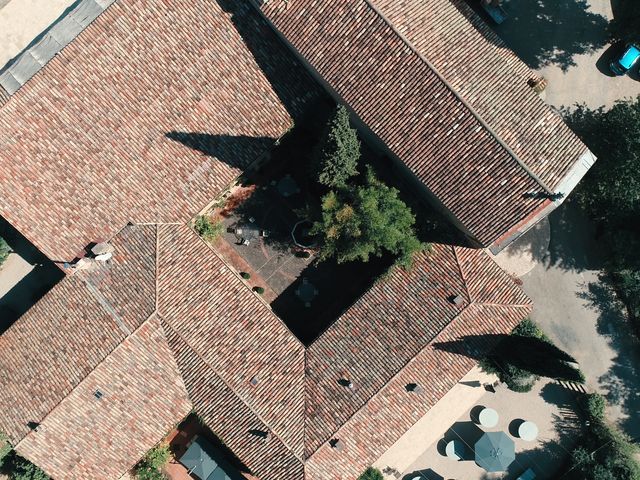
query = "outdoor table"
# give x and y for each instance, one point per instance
(495, 451)
(455, 450)
(528, 431)
(287, 186)
(306, 292)
(247, 231)
(488, 417)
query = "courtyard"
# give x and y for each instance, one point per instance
(551, 406)
(266, 236)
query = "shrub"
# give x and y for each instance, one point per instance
(595, 406)
(149, 468)
(605, 453)
(258, 290)
(371, 474)
(245, 275)
(338, 151)
(208, 229)
(158, 456)
(521, 358)
(5, 250)
(22, 469)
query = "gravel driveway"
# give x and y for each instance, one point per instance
(582, 316)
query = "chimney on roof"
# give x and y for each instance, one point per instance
(346, 383)
(413, 388)
(253, 381)
(263, 434)
(336, 444)
(102, 251)
(457, 300)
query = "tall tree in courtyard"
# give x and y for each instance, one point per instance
(369, 220)
(338, 151)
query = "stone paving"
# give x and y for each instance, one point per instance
(549, 405)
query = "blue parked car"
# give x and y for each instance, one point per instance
(628, 59)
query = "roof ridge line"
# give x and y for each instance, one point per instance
(392, 377)
(484, 124)
(514, 305)
(232, 390)
(146, 320)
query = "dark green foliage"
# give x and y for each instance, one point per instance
(610, 192)
(604, 453)
(20, 468)
(5, 450)
(595, 405)
(338, 151)
(611, 189)
(5, 250)
(208, 229)
(627, 284)
(520, 358)
(245, 275)
(150, 467)
(371, 474)
(364, 221)
(258, 290)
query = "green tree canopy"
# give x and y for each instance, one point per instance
(369, 220)
(611, 189)
(338, 151)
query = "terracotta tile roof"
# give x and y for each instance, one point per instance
(81, 320)
(479, 142)
(85, 140)
(143, 396)
(492, 79)
(236, 334)
(382, 338)
(244, 372)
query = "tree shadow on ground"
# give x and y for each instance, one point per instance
(626, 20)
(622, 381)
(546, 32)
(291, 82)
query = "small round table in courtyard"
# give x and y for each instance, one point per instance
(528, 431)
(306, 292)
(287, 186)
(488, 417)
(455, 450)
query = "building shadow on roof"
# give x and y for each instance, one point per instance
(290, 81)
(546, 32)
(238, 151)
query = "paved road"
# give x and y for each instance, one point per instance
(568, 43)
(581, 315)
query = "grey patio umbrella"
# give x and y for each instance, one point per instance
(198, 461)
(495, 451)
